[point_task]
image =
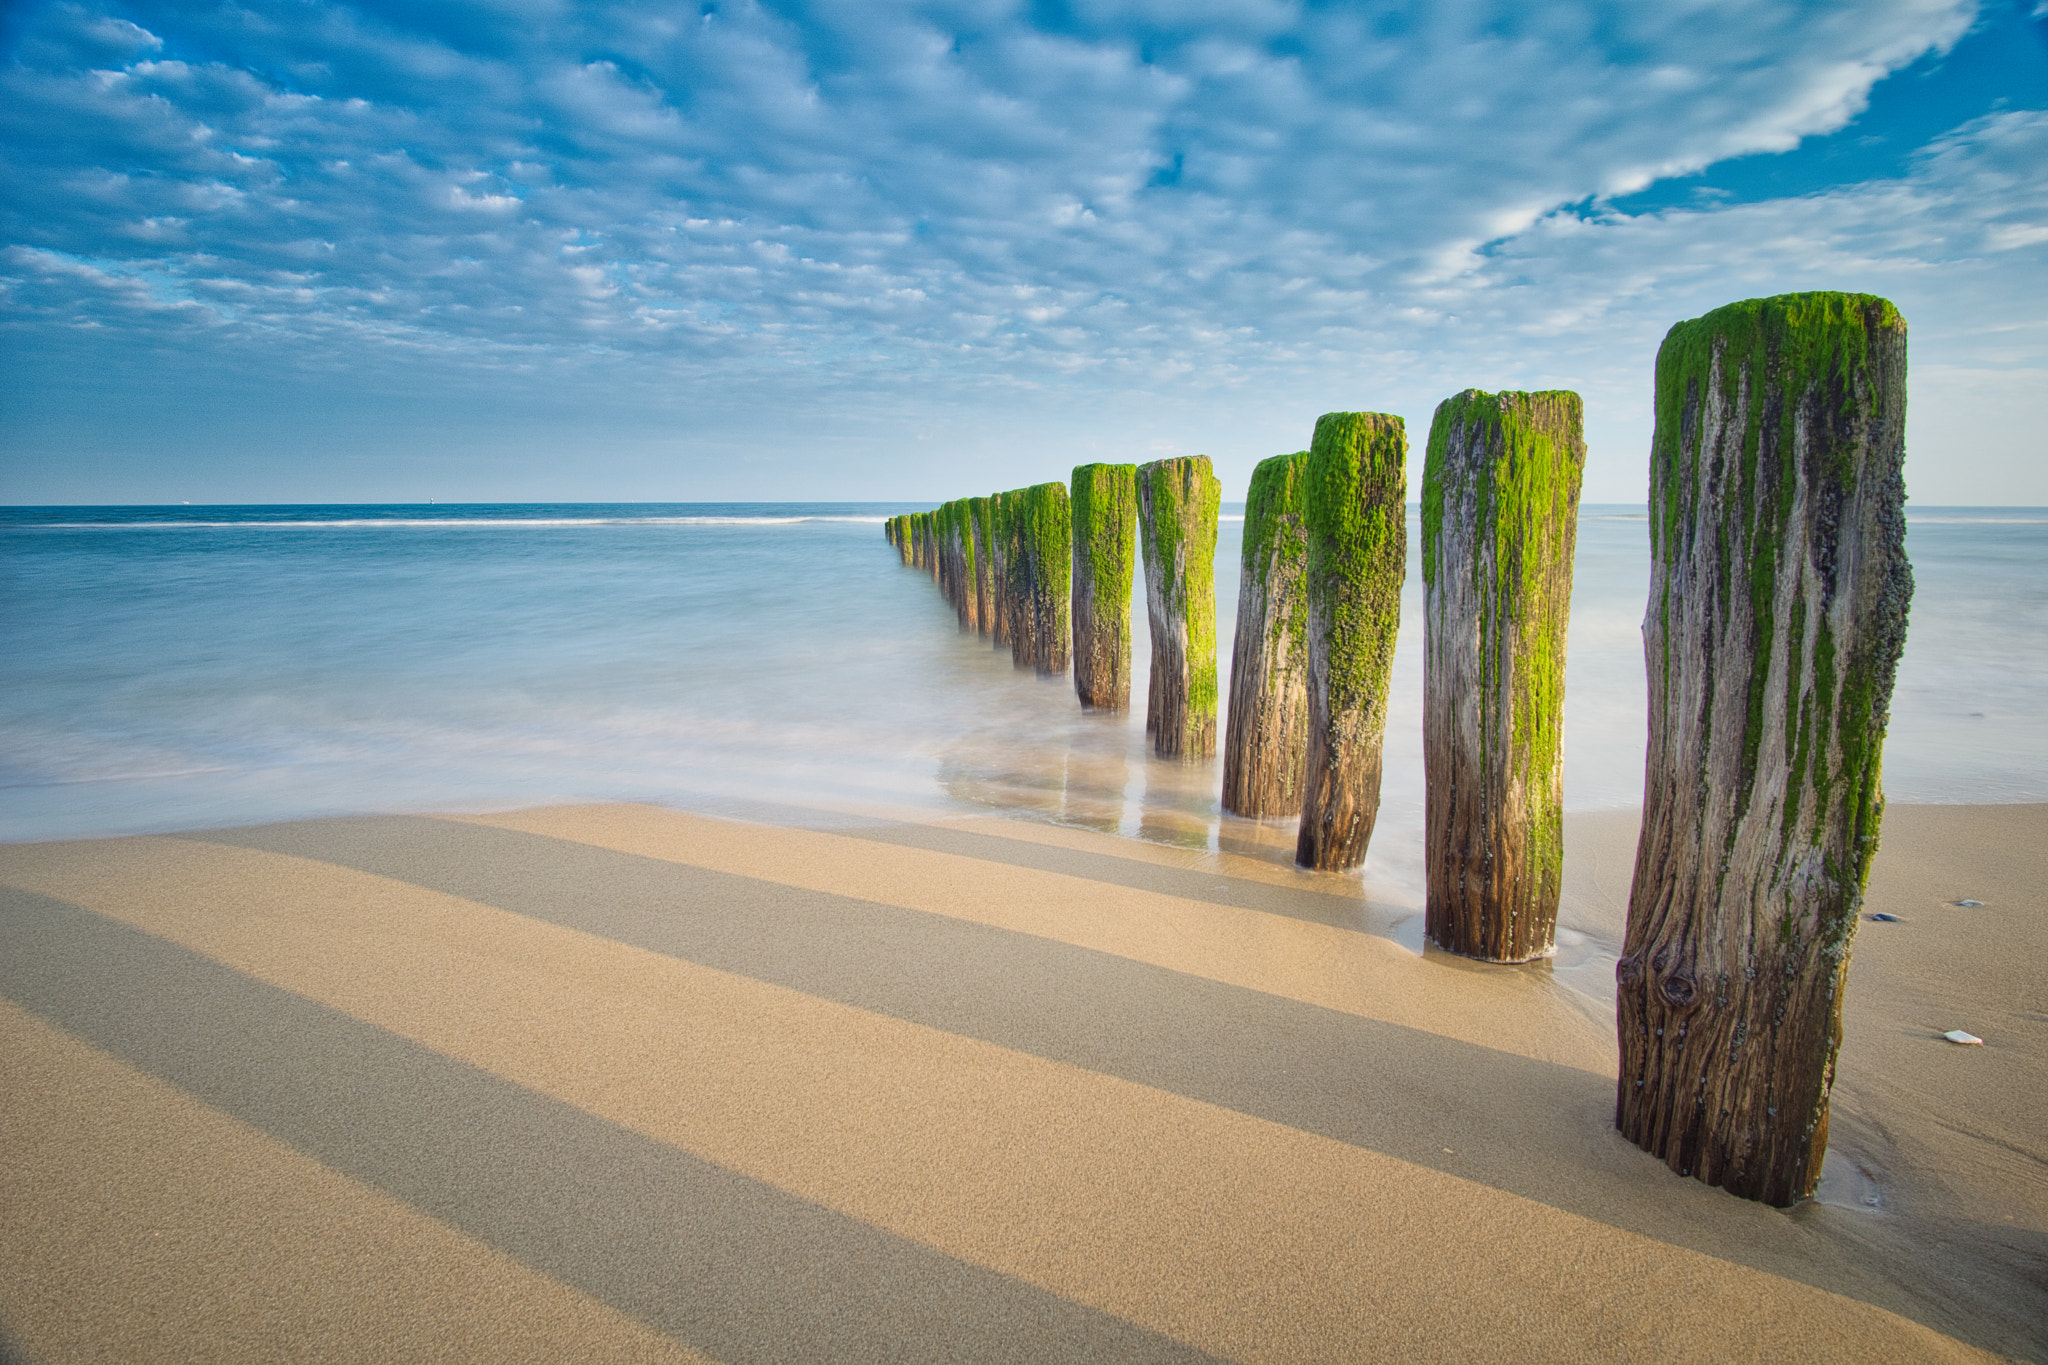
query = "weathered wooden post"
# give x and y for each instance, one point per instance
(1265, 746)
(1177, 505)
(1778, 598)
(1105, 512)
(1357, 559)
(941, 550)
(999, 537)
(1048, 533)
(1500, 509)
(942, 517)
(984, 565)
(960, 562)
(1017, 578)
(973, 567)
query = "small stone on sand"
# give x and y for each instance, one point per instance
(1967, 904)
(1883, 918)
(1956, 1035)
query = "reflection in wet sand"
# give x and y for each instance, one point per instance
(1077, 772)
(1183, 805)
(1096, 790)
(1270, 841)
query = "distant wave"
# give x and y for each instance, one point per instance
(406, 522)
(1923, 519)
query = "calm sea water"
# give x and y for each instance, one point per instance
(168, 668)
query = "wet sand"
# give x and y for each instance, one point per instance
(620, 1083)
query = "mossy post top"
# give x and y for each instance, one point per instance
(1047, 526)
(1535, 428)
(1356, 459)
(1275, 480)
(1276, 487)
(1358, 534)
(1816, 345)
(1180, 486)
(1105, 515)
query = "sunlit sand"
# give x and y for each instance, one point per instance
(624, 1083)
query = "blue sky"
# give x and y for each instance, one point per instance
(523, 250)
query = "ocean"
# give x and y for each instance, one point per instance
(177, 668)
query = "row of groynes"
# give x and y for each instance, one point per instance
(1777, 615)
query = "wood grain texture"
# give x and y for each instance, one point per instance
(1178, 501)
(1777, 612)
(1357, 559)
(1105, 516)
(1265, 747)
(1500, 505)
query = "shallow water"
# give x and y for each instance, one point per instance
(167, 668)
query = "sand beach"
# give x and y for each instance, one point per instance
(626, 1083)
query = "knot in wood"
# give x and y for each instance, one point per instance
(1678, 989)
(1629, 970)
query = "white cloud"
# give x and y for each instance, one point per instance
(1151, 211)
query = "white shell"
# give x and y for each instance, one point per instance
(1956, 1035)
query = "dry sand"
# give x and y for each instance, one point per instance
(619, 1083)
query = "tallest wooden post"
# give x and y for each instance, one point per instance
(1778, 595)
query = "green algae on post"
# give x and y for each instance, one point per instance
(1178, 501)
(984, 565)
(1265, 744)
(1002, 620)
(1017, 579)
(1105, 516)
(1030, 577)
(1047, 534)
(1357, 558)
(961, 556)
(1500, 503)
(1778, 600)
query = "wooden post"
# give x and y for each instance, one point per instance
(999, 508)
(1265, 746)
(1017, 579)
(1357, 559)
(972, 554)
(942, 551)
(1778, 598)
(984, 566)
(1500, 508)
(1048, 549)
(942, 538)
(1177, 505)
(960, 561)
(1105, 513)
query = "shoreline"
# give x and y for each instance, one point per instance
(979, 1086)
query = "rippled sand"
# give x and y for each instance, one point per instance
(620, 1083)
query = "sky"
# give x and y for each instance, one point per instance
(519, 250)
